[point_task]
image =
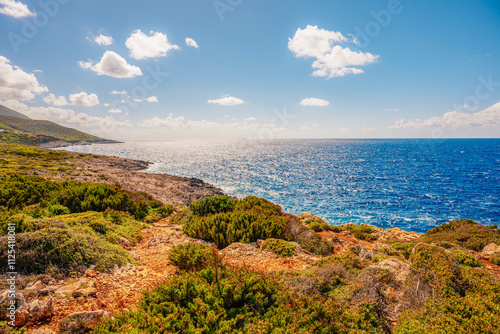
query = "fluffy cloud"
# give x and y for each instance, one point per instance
(489, 117)
(84, 100)
(250, 119)
(113, 65)
(103, 40)
(314, 102)
(331, 60)
(67, 117)
(155, 45)
(191, 42)
(121, 92)
(115, 111)
(151, 99)
(56, 101)
(17, 84)
(227, 101)
(15, 9)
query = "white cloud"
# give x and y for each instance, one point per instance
(106, 104)
(15, 9)
(191, 42)
(56, 101)
(113, 65)
(17, 84)
(142, 46)
(151, 99)
(395, 110)
(103, 40)
(314, 102)
(250, 119)
(489, 117)
(67, 117)
(167, 122)
(115, 111)
(121, 92)
(331, 60)
(84, 100)
(227, 101)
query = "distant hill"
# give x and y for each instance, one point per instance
(16, 128)
(4, 111)
(47, 128)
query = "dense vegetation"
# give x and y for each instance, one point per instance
(46, 128)
(224, 300)
(225, 220)
(64, 227)
(193, 256)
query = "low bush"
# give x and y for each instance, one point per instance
(225, 228)
(279, 247)
(436, 267)
(240, 301)
(66, 250)
(496, 259)
(465, 233)
(478, 311)
(193, 256)
(212, 205)
(403, 248)
(466, 259)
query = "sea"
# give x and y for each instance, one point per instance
(413, 184)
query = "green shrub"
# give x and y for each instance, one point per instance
(57, 209)
(193, 256)
(316, 245)
(240, 301)
(436, 267)
(478, 311)
(67, 250)
(403, 248)
(466, 259)
(363, 232)
(279, 247)
(465, 233)
(225, 228)
(212, 205)
(349, 260)
(496, 259)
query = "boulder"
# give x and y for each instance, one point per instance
(85, 292)
(490, 250)
(41, 309)
(68, 289)
(80, 321)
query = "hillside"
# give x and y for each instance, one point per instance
(4, 111)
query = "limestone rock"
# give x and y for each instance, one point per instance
(490, 250)
(41, 309)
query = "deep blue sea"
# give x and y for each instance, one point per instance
(413, 184)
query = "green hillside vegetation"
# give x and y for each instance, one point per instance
(4, 111)
(64, 227)
(47, 128)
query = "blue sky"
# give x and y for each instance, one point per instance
(255, 69)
